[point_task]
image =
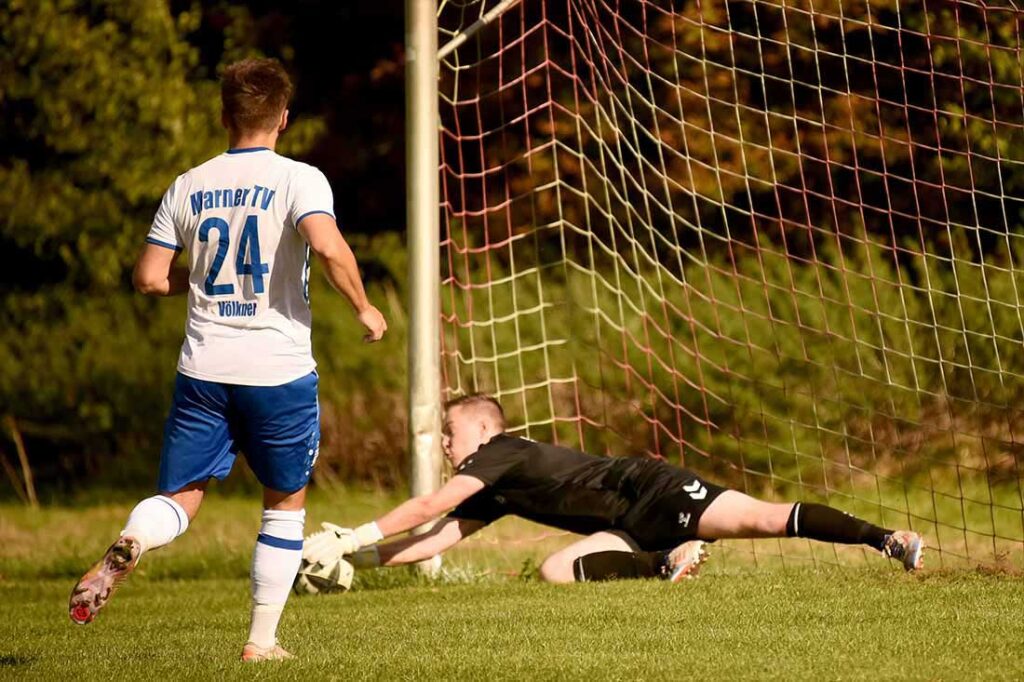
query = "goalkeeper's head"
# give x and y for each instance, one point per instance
(469, 422)
(254, 95)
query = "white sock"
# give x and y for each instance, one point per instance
(275, 561)
(156, 521)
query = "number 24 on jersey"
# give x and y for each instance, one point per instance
(250, 243)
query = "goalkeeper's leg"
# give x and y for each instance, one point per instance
(600, 556)
(735, 515)
(275, 562)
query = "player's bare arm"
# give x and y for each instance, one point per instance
(334, 541)
(424, 508)
(445, 534)
(326, 241)
(157, 274)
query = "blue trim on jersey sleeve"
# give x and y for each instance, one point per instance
(309, 213)
(247, 150)
(166, 245)
(281, 543)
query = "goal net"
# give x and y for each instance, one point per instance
(777, 241)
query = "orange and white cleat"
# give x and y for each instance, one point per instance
(684, 561)
(97, 586)
(905, 546)
(252, 653)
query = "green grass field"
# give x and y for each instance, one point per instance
(184, 613)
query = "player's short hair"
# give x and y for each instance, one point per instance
(481, 401)
(253, 93)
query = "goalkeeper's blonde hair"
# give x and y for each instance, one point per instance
(489, 405)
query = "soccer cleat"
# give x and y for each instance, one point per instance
(906, 546)
(684, 561)
(252, 653)
(96, 587)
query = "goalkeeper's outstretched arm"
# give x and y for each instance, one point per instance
(334, 542)
(425, 508)
(445, 534)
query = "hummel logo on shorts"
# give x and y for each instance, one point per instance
(695, 490)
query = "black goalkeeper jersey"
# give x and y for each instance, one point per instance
(565, 488)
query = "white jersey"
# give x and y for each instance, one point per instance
(248, 301)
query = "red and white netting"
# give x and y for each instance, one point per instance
(776, 241)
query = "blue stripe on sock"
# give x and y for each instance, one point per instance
(282, 543)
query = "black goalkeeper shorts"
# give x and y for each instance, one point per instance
(666, 511)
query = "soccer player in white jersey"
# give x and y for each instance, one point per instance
(246, 380)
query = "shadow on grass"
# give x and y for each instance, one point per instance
(450, 574)
(14, 660)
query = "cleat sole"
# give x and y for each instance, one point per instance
(690, 569)
(95, 588)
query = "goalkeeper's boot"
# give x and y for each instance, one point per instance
(684, 561)
(906, 546)
(252, 653)
(96, 587)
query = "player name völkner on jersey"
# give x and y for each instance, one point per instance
(248, 303)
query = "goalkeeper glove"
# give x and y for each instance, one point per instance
(334, 542)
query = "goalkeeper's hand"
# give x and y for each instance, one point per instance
(334, 542)
(329, 544)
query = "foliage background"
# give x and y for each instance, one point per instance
(103, 102)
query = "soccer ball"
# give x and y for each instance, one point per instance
(320, 578)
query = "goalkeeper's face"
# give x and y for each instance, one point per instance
(465, 429)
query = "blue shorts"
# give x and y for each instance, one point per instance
(277, 428)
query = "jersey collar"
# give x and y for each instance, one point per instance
(494, 439)
(246, 150)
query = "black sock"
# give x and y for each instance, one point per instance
(617, 565)
(818, 522)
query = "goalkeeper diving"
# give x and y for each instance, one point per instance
(641, 517)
